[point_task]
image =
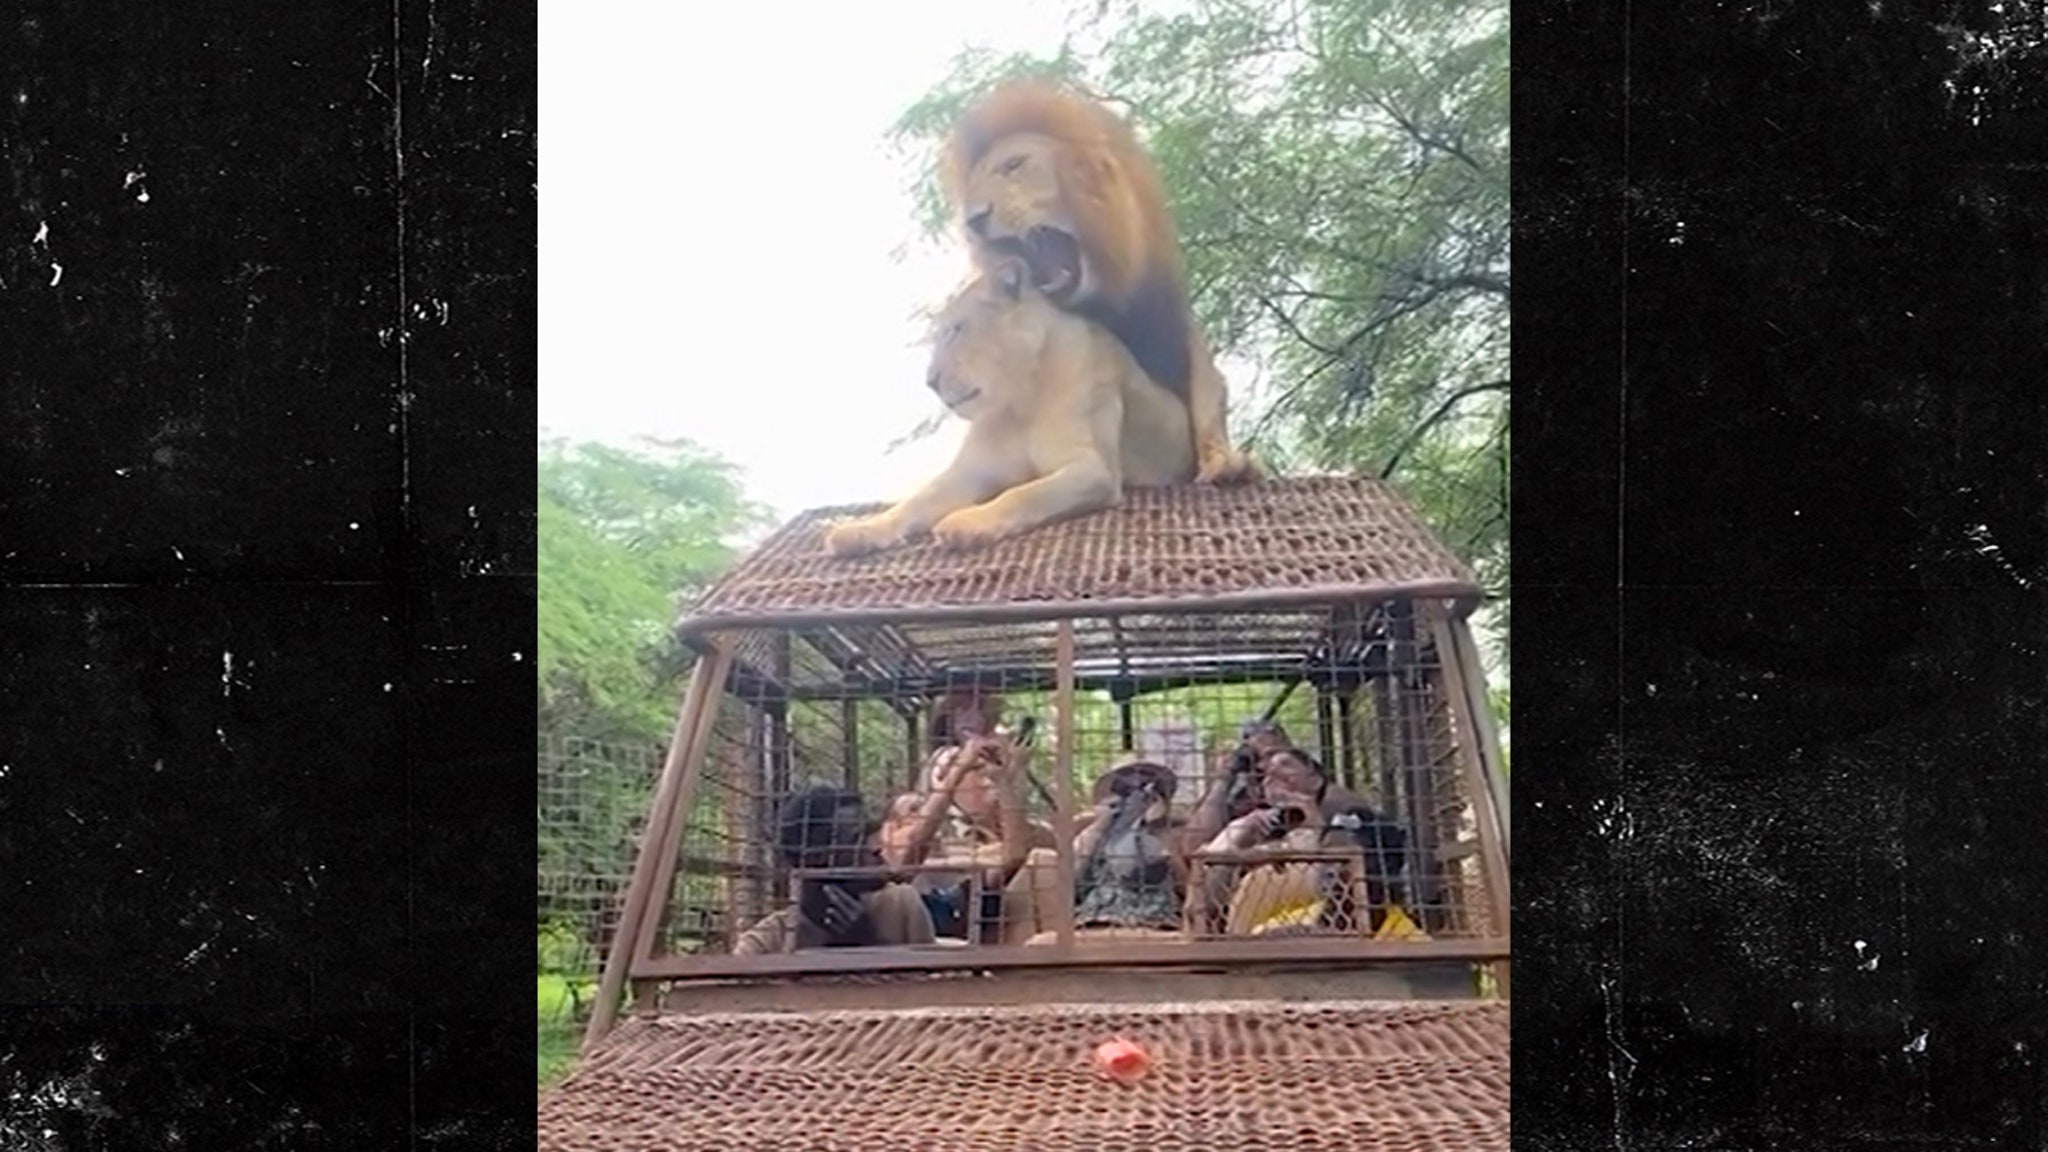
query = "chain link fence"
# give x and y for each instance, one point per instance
(593, 800)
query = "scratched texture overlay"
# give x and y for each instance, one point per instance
(1781, 635)
(267, 305)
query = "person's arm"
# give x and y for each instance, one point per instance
(1242, 834)
(952, 767)
(1008, 763)
(899, 915)
(770, 934)
(1176, 861)
(1213, 812)
(1089, 836)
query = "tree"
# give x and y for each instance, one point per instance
(625, 533)
(1339, 173)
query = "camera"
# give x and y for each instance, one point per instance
(1290, 817)
(812, 902)
(1026, 733)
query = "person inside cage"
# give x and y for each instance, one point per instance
(1234, 787)
(1291, 805)
(823, 828)
(970, 813)
(1126, 872)
(1238, 783)
(964, 713)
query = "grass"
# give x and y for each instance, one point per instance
(559, 998)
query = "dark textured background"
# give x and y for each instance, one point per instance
(1782, 601)
(267, 305)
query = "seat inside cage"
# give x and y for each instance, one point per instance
(1208, 729)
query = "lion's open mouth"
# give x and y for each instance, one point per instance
(1055, 260)
(963, 399)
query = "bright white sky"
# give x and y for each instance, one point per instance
(702, 161)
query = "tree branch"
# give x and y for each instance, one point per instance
(1430, 141)
(1436, 417)
(1477, 281)
(1287, 322)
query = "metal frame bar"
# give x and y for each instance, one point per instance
(1297, 983)
(1472, 718)
(1063, 788)
(1470, 676)
(1464, 596)
(673, 794)
(1088, 954)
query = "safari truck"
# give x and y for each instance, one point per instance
(1183, 824)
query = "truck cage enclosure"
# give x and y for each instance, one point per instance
(1149, 631)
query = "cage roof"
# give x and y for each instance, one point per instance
(1274, 544)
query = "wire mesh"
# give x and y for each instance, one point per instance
(1293, 1077)
(1239, 774)
(593, 803)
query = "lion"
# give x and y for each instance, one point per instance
(1060, 419)
(1058, 180)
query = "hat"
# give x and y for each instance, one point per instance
(1128, 776)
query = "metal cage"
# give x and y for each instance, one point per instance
(1150, 631)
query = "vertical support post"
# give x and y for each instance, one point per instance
(1326, 728)
(913, 755)
(1347, 739)
(1127, 728)
(1471, 677)
(849, 738)
(1063, 785)
(779, 762)
(673, 794)
(1472, 718)
(753, 794)
(1348, 659)
(672, 843)
(1386, 754)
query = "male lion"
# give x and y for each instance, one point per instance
(1060, 181)
(1060, 418)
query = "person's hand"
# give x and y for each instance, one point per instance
(1244, 762)
(1268, 821)
(995, 757)
(843, 911)
(955, 763)
(1254, 827)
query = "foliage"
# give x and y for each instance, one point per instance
(559, 1029)
(1339, 171)
(624, 531)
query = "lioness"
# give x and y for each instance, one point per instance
(1060, 418)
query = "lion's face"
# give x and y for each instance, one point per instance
(984, 342)
(1016, 203)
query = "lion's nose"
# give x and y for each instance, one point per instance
(977, 220)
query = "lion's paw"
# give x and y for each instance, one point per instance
(969, 528)
(860, 537)
(1222, 464)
